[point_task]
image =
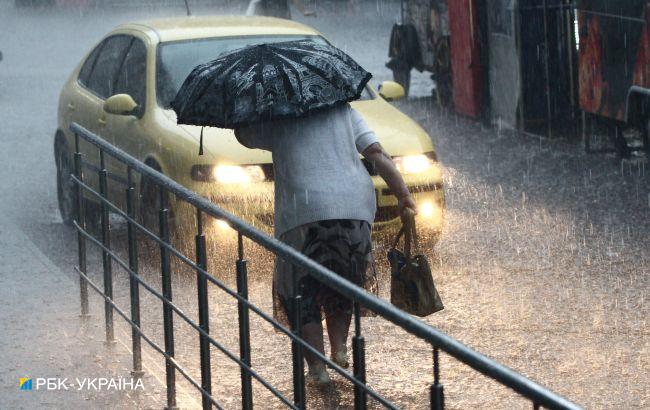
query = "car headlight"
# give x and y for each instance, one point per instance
(233, 174)
(228, 174)
(414, 164)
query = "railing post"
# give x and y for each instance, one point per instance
(106, 241)
(81, 221)
(204, 321)
(359, 360)
(244, 326)
(437, 393)
(296, 348)
(134, 286)
(168, 319)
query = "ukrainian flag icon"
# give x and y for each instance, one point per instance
(25, 383)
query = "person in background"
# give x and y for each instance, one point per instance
(324, 208)
(276, 8)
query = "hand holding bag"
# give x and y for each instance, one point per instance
(411, 286)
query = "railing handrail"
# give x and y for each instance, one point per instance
(417, 327)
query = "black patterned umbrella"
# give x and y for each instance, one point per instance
(266, 82)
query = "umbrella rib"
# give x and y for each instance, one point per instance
(362, 84)
(214, 79)
(207, 86)
(292, 68)
(320, 71)
(193, 91)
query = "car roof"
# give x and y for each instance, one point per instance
(187, 28)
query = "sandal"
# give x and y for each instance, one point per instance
(341, 358)
(318, 377)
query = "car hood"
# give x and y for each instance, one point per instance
(398, 134)
(221, 146)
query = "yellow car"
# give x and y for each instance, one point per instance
(122, 91)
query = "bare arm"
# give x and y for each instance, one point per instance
(387, 170)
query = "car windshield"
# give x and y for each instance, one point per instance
(177, 59)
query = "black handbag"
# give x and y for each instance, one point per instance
(411, 286)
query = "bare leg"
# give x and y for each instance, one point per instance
(338, 326)
(313, 334)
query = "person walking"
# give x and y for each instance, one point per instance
(324, 208)
(292, 98)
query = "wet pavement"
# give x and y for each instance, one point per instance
(543, 264)
(44, 338)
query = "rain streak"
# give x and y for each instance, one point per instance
(542, 262)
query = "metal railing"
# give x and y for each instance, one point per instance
(538, 395)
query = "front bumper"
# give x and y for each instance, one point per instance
(254, 202)
(429, 197)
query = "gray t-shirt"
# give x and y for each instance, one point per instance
(318, 172)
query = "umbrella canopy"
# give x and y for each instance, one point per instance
(266, 82)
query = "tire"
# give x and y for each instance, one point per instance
(65, 187)
(402, 76)
(66, 190)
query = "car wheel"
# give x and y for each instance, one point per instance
(402, 76)
(65, 187)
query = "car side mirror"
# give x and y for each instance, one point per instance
(121, 104)
(390, 90)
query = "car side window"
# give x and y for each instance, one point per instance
(88, 66)
(132, 77)
(104, 74)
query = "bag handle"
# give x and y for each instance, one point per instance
(410, 234)
(414, 233)
(397, 238)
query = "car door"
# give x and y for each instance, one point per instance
(80, 105)
(128, 132)
(96, 85)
